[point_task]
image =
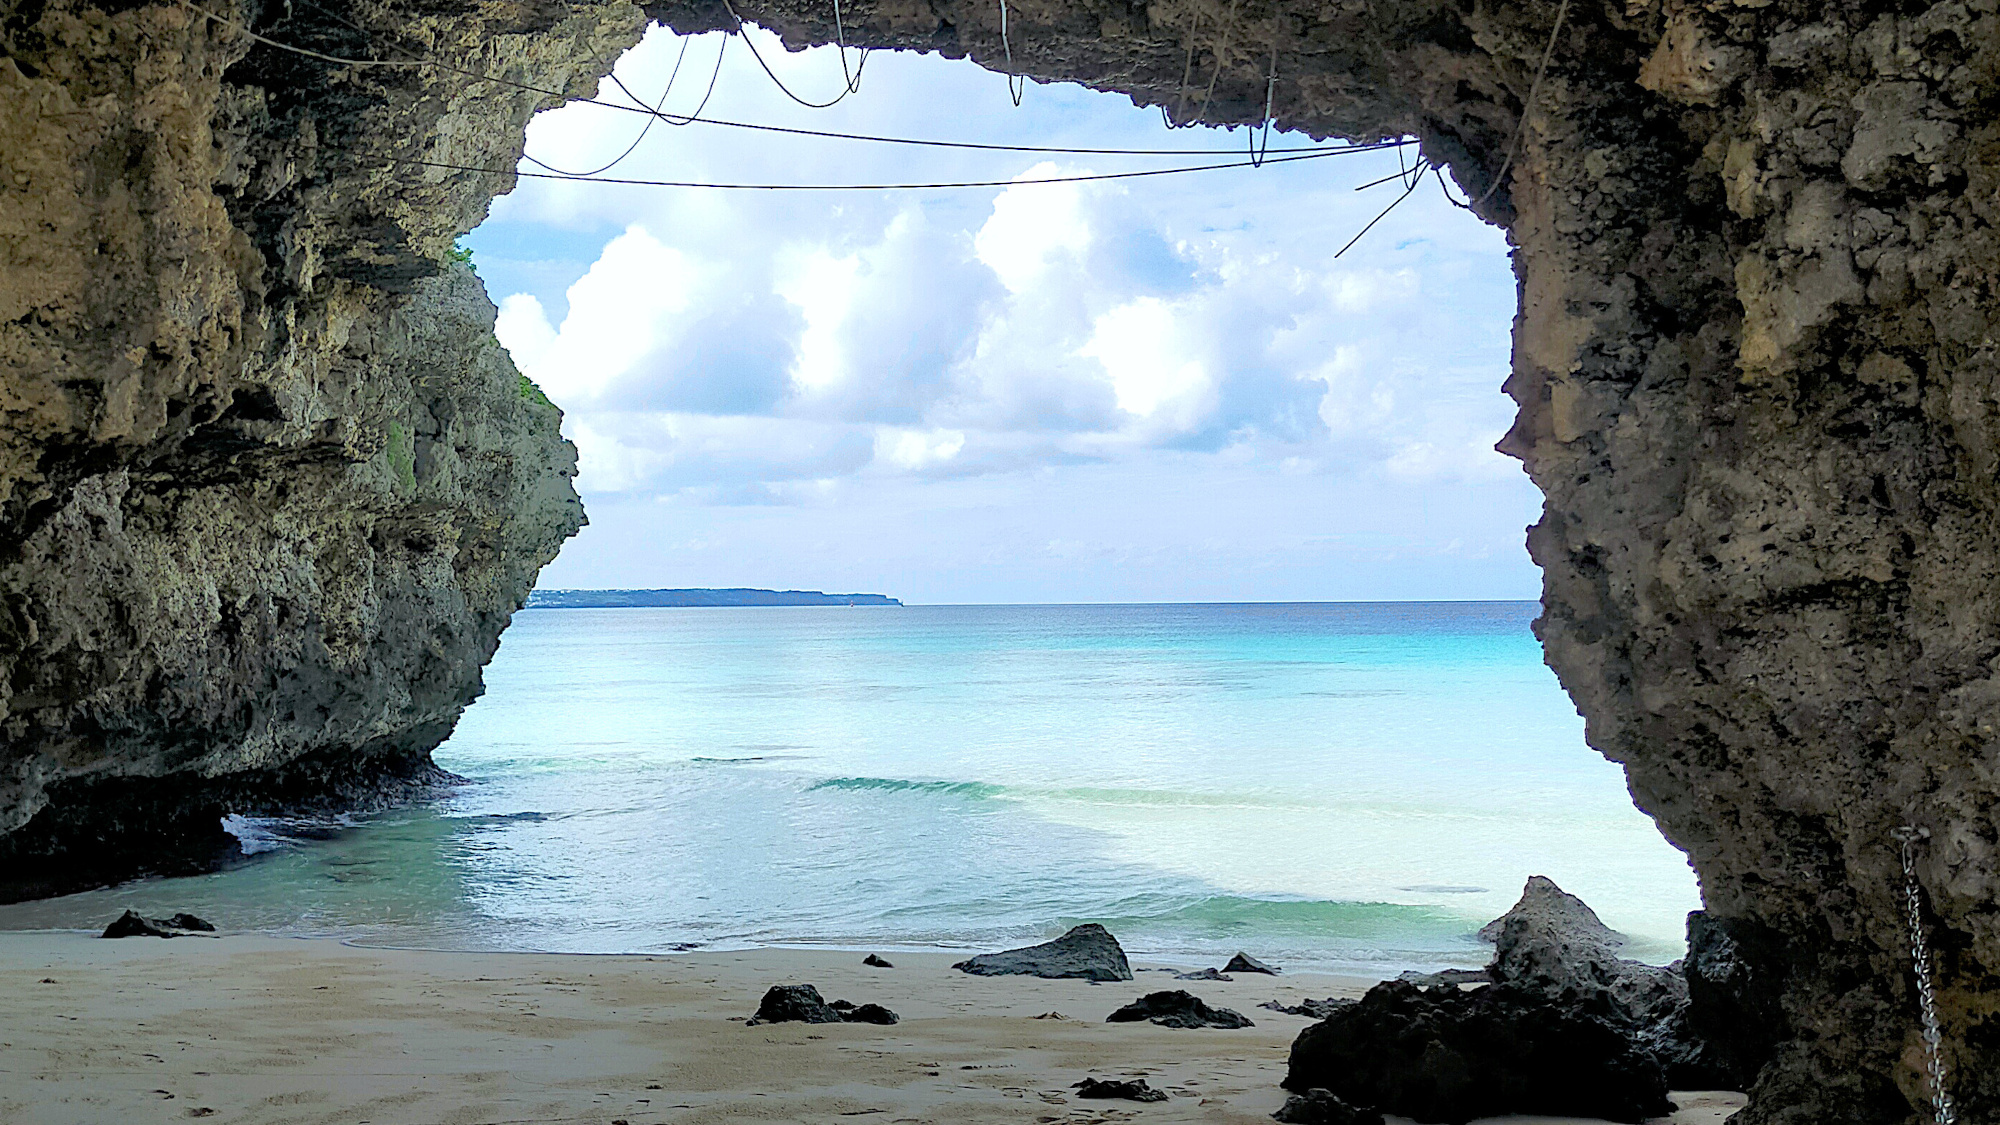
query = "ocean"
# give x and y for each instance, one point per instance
(1344, 786)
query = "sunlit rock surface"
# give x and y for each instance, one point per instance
(1755, 363)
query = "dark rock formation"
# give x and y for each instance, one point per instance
(801, 1003)
(1244, 963)
(133, 924)
(1735, 1014)
(1547, 921)
(1449, 1054)
(1321, 1107)
(1203, 974)
(269, 489)
(1178, 1009)
(1086, 952)
(1134, 1090)
(794, 1003)
(1553, 944)
(869, 1013)
(875, 961)
(1314, 1009)
(1755, 362)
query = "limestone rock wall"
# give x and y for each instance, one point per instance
(269, 489)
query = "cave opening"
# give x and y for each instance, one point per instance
(1752, 246)
(1127, 391)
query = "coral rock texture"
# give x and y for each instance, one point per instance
(269, 489)
(1754, 359)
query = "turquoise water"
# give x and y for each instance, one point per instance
(1337, 785)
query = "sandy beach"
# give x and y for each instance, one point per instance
(274, 1030)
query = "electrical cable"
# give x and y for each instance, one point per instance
(1090, 177)
(643, 130)
(840, 40)
(1180, 91)
(1521, 128)
(1270, 91)
(1013, 91)
(677, 119)
(1407, 192)
(853, 84)
(1223, 49)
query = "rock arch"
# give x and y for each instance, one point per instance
(1755, 362)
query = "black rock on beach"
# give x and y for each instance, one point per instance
(1567, 1027)
(1178, 1009)
(1244, 963)
(1087, 952)
(1135, 1090)
(1321, 1107)
(1450, 1055)
(801, 1003)
(133, 924)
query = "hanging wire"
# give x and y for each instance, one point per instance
(671, 119)
(1173, 120)
(1521, 127)
(1407, 192)
(1270, 91)
(1221, 51)
(1013, 91)
(688, 119)
(840, 40)
(644, 129)
(852, 86)
(1085, 178)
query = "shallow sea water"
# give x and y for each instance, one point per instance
(1341, 786)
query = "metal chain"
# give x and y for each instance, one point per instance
(1920, 957)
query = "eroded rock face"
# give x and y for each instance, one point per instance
(1754, 359)
(269, 489)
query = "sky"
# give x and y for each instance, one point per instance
(1153, 389)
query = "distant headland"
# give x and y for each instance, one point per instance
(632, 599)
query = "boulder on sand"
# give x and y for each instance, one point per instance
(133, 924)
(1451, 1055)
(875, 962)
(801, 1003)
(1203, 974)
(1135, 1090)
(794, 1003)
(1315, 1009)
(1320, 1107)
(1087, 952)
(1178, 1009)
(1244, 963)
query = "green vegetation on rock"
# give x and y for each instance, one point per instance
(402, 454)
(533, 393)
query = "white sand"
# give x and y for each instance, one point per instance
(256, 1029)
